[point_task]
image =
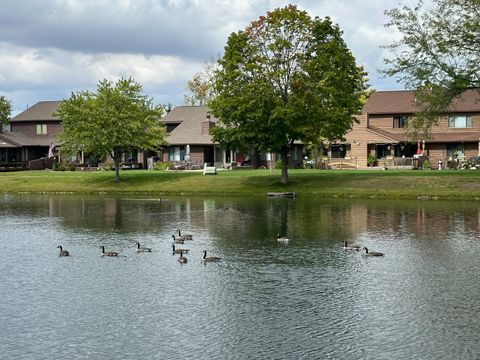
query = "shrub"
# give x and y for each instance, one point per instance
(371, 160)
(162, 165)
(426, 165)
(55, 166)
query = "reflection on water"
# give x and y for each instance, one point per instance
(305, 299)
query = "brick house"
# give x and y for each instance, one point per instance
(30, 134)
(381, 131)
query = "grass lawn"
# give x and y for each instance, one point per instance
(407, 184)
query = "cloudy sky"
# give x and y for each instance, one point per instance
(50, 48)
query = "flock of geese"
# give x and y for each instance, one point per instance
(357, 248)
(179, 239)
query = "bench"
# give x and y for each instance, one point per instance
(209, 170)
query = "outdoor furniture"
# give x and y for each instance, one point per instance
(209, 170)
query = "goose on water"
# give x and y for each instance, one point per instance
(178, 251)
(372, 253)
(143, 248)
(184, 236)
(210, 258)
(282, 239)
(62, 252)
(182, 259)
(108, 253)
(350, 247)
(177, 241)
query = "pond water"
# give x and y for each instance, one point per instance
(307, 299)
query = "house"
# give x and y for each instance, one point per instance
(188, 135)
(30, 134)
(189, 139)
(381, 131)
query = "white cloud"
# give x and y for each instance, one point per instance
(52, 47)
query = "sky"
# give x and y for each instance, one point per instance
(51, 48)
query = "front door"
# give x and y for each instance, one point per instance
(208, 155)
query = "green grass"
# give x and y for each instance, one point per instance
(331, 183)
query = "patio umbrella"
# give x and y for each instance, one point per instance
(50, 150)
(419, 150)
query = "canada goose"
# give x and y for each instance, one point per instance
(282, 239)
(108, 253)
(210, 258)
(184, 236)
(143, 248)
(350, 247)
(372, 253)
(182, 259)
(178, 251)
(62, 252)
(177, 241)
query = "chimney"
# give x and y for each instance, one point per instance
(207, 125)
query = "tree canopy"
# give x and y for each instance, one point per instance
(115, 119)
(286, 77)
(5, 110)
(438, 54)
(201, 87)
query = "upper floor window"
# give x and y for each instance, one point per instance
(41, 129)
(400, 121)
(171, 127)
(460, 121)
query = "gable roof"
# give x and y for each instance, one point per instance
(42, 110)
(404, 102)
(189, 130)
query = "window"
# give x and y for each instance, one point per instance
(339, 151)
(171, 127)
(400, 121)
(460, 121)
(41, 129)
(455, 151)
(176, 153)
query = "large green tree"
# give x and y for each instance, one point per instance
(5, 110)
(115, 119)
(438, 54)
(286, 77)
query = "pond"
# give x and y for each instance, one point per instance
(307, 298)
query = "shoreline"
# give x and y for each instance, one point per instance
(355, 184)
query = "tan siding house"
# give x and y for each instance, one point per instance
(383, 124)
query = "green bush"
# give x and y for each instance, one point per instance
(55, 166)
(278, 164)
(162, 165)
(61, 167)
(426, 165)
(371, 160)
(71, 167)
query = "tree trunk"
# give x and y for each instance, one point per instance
(117, 171)
(255, 162)
(284, 157)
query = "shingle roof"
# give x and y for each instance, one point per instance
(189, 130)
(403, 102)
(21, 139)
(40, 111)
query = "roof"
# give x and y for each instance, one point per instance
(17, 139)
(189, 130)
(42, 110)
(403, 102)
